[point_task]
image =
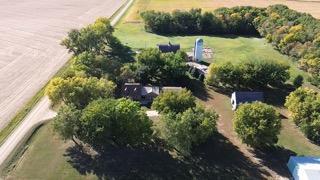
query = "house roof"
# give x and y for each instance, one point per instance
(132, 90)
(165, 48)
(248, 96)
(150, 89)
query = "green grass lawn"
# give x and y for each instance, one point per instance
(44, 159)
(292, 138)
(225, 48)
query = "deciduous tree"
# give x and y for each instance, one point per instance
(257, 124)
(188, 129)
(79, 90)
(174, 101)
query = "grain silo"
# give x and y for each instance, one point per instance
(198, 48)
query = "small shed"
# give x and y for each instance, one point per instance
(302, 168)
(132, 91)
(245, 97)
(167, 48)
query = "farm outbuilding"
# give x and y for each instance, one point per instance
(167, 48)
(245, 97)
(304, 168)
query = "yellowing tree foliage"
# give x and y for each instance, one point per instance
(78, 90)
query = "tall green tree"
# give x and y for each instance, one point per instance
(257, 124)
(161, 68)
(67, 123)
(174, 101)
(185, 130)
(118, 121)
(98, 39)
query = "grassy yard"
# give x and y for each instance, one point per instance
(48, 157)
(45, 159)
(225, 48)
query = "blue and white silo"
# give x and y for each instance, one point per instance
(198, 48)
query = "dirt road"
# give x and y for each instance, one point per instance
(30, 54)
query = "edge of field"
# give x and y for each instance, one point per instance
(23, 112)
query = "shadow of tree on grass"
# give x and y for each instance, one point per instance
(215, 159)
(275, 158)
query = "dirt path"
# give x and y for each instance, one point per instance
(30, 53)
(221, 104)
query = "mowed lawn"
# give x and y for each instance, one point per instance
(45, 159)
(225, 48)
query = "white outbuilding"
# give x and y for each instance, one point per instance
(304, 168)
(240, 97)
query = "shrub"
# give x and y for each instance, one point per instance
(249, 74)
(304, 107)
(298, 81)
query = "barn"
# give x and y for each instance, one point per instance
(240, 97)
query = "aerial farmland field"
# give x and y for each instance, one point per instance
(30, 50)
(223, 156)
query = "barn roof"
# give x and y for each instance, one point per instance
(165, 48)
(248, 96)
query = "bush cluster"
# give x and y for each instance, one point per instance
(304, 107)
(248, 74)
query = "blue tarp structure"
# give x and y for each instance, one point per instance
(304, 168)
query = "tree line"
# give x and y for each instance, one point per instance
(237, 20)
(292, 33)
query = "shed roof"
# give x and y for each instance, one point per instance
(304, 167)
(165, 48)
(132, 90)
(248, 96)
